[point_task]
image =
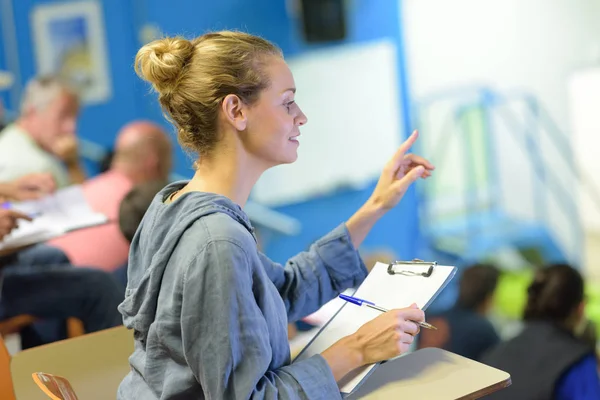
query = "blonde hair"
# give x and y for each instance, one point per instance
(40, 92)
(193, 77)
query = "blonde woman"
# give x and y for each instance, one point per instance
(208, 310)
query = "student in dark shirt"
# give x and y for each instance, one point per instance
(464, 329)
(549, 359)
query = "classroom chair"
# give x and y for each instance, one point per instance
(6, 384)
(17, 323)
(56, 387)
(94, 364)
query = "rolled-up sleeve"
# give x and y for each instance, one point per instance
(226, 339)
(312, 278)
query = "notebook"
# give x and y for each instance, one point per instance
(389, 291)
(54, 215)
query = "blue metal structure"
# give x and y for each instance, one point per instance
(484, 227)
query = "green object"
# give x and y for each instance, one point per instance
(511, 293)
(592, 306)
(511, 296)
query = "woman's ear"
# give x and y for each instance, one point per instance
(235, 112)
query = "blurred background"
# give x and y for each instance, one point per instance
(506, 95)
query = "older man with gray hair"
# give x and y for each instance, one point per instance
(43, 138)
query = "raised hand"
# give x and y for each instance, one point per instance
(399, 173)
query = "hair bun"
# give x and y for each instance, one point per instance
(160, 62)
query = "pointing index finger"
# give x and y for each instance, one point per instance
(404, 147)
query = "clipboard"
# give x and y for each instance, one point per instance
(396, 285)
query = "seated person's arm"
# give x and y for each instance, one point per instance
(5, 190)
(76, 173)
(28, 187)
(67, 150)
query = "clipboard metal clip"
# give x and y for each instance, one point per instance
(416, 261)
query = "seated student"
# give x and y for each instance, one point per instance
(464, 329)
(131, 212)
(547, 360)
(142, 154)
(54, 289)
(43, 138)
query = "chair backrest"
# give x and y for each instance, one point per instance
(56, 387)
(15, 324)
(6, 385)
(94, 364)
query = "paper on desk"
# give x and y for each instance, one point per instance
(387, 291)
(65, 210)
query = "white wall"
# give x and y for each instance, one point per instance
(354, 120)
(528, 44)
(510, 45)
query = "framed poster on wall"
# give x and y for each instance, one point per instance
(69, 41)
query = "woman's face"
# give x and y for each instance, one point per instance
(274, 121)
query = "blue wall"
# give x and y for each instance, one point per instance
(98, 122)
(367, 20)
(5, 94)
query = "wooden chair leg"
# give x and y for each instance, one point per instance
(7, 391)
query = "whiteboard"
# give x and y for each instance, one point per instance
(350, 96)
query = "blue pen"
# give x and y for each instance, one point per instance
(361, 302)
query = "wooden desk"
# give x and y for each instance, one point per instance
(431, 374)
(95, 364)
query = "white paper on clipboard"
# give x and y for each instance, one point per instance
(387, 291)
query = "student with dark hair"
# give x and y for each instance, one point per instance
(547, 360)
(131, 212)
(134, 206)
(464, 329)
